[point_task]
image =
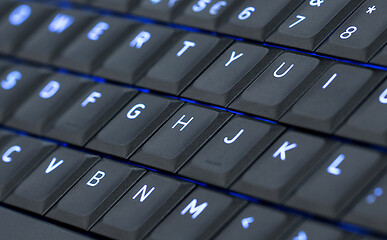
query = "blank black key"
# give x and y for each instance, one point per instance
(53, 35)
(361, 35)
(51, 180)
(370, 211)
(333, 98)
(174, 143)
(317, 231)
(341, 178)
(140, 209)
(16, 84)
(32, 227)
(236, 68)
(18, 23)
(257, 222)
(312, 22)
(280, 85)
(164, 10)
(91, 46)
(283, 166)
(89, 113)
(205, 14)
(256, 19)
(381, 57)
(199, 216)
(136, 54)
(116, 5)
(19, 156)
(139, 120)
(368, 123)
(231, 151)
(183, 63)
(45, 104)
(95, 193)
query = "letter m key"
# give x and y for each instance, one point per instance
(193, 209)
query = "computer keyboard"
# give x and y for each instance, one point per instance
(193, 119)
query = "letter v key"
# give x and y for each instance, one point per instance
(52, 166)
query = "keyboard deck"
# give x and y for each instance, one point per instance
(193, 119)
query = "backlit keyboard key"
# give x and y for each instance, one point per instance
(183, 63)
(53, 35)
(136, 54)
(361, 35)
(144, 206)
(175, 142)
(231, 151)
(51, 180)
(45, 104)
(333, 98)
(199, 216)
(16, 83)
(239, 65)
(280, 85)
(116, 5)
(205, 14)
(141, 118)
(91, 46)
(163, 10)
(19, 22)
(95, 193)
(256, 19)
(89, 113)
(283, 166)
(19, 156)
(341, 178)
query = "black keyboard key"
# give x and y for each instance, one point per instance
(341, 178)
(116, 5)
(333, 98)
(256, 19)
(317, 231)
(183, 63)
(32, 228)
(205, 14)
(163, 10)
(135, 55)
(45, 104)
(257, 222)
(53, 35)
(199, 216)
(139, 120)
(19, 156)
(283, 166)
(231, 151)
(312, 22)
(175, 142)
(16, 84)
(279, 86)
(18, 23)
(361, 35)
(142, 208)
(371, 211)
(95, 193)
(91, 46)
(381, 57)
(90, 113)
(236, 68)
(51, 180)
(368, 123)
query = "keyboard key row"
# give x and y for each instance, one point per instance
(294, 23)
(261, 81)
(103, 196)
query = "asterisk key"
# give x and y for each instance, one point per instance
(371, 10)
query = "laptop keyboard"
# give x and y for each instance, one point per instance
(193, 119)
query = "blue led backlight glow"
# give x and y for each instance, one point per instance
(60, 23)
(19, 15)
